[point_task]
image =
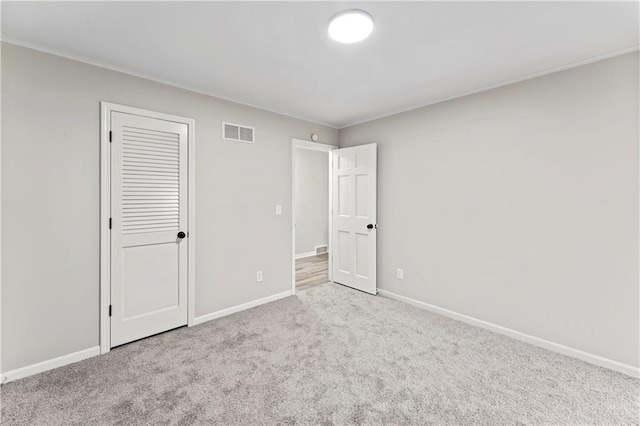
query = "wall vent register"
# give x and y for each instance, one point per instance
(238, 133)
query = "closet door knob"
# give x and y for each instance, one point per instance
(181, 234)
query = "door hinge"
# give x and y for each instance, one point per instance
(110, 135)
(109, 310)
(110, 223)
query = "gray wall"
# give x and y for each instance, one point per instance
(519, 206)
(312, 199)
(50, 199)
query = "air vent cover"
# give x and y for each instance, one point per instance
(238, 133)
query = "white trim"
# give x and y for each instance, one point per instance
(0, 223)
(50, 364)
(191, 226)
(105, 208)
(241, 307)
(123, 70)
(312, 253)
(313, 146)
(330, 215)
(546, 344)
(105, 235)
(542, 73)
(305, 255)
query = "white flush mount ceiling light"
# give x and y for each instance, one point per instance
(351, 26)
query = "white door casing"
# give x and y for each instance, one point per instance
(354, 215)
(313, 146)
(149, 194)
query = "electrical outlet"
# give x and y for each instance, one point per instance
(259, 276)
(400, 274)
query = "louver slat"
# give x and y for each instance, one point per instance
(150, 181)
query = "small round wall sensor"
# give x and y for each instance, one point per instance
(314, 137)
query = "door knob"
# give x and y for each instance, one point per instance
(371, 226)
(181, 234)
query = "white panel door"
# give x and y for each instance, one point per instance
(149, 216)
(354, 217)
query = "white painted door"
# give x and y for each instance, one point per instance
(149, 215)
(354, 217)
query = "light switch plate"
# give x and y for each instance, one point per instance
(278, 210)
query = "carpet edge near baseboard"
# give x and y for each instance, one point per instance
(49, 364)
(241, 307)
(61, 361)
(610, 364)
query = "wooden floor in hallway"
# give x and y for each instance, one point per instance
(312, 271)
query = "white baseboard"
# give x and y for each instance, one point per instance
(242, 307)
(546, 344)
(303, 255)
(50, 364)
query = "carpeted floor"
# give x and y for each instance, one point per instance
(329, 355)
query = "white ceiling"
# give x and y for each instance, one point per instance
(277, 56)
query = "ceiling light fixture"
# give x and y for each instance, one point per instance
(351, 26)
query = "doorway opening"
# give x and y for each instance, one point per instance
(311, 218)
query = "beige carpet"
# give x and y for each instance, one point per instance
(330, 355)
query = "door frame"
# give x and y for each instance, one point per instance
(105, 212)
(312, 146)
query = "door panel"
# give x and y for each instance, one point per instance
(354, 200)
(344, 265)
(148, 209)
(147, 288)
(362, 196)
(362, 255)
(343, 196)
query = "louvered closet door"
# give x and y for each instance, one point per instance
(148, 209)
